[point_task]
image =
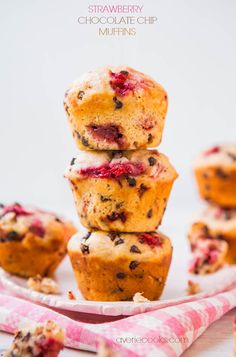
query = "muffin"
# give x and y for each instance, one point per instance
(32, 241)
(116, 108)
(215, 171)
(114, 266)
(123, 191)
(45, 340)
(219, 223)
(209, 256)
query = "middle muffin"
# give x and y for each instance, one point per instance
(122, 191)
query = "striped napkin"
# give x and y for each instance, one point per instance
(164, 332)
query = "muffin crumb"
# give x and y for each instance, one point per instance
(71, 295)
(43, 285)
(193, 288)
(138, 297)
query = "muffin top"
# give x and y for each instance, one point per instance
(119, 164)
(136, 247)
(17, 220)
(218, 218)
(119, 81)
(222, 155)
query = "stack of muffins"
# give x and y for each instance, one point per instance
(120, 188)
(213, 233)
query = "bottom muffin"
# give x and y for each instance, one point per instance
(32, 241)
(114, 266)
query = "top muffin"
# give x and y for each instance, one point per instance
(116, 108)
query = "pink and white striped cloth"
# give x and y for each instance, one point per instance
(165, 332)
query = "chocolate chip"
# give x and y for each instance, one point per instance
(78, 135)
(133, 264)
(84, 141)
(26, 337)
(87, 236)
(58, 220)
(119, 241)
(66, 109)
(220, 236)
(18, 335)
(205, 175)
(115, 216)
(119, 205)
(135, 249)
(152, 161)
(149, 214)
(118, 290)
(12, 236)
(84, 248)
(80, 94)
(117, 154)
(131, 181)
(150, 138)
(118, 103)
(227, 214)
(104, 198)
(72, 161)
(232, 156)
(142, 189)
(221, 174)
(205, 231)
(113, 235)
(120, 275)
(125, 73)
(158, 280)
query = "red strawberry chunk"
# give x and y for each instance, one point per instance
(121, 83)
(17, 209)
(114, 170)
(37, 228)
(151, 239)
(213, 150)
